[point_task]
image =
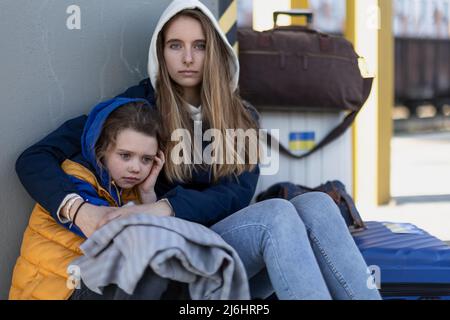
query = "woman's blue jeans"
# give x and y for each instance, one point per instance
(299, 249)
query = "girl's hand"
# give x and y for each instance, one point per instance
(147, 187)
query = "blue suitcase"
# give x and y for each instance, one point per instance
(410, 263)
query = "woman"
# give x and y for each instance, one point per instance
(301, 249)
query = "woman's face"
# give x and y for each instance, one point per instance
(184, 51)
(130, 160)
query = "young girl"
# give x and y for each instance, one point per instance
(301, 249)
(121, 142)
(120, 161)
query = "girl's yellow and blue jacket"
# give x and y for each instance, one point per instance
(49, 246)
(198, 200)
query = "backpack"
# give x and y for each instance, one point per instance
(335, 189)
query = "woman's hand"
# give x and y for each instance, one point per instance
(147, 187)
(160, 208)
(89, 217)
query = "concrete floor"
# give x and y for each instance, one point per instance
(420, 184)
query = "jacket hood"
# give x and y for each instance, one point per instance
(175, 7)
(93, 129)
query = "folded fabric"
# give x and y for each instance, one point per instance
(175, 249)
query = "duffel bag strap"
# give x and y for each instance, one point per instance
(334, 134)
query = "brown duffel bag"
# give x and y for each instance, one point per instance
(300, 68)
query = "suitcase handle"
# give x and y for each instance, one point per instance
(294, 13)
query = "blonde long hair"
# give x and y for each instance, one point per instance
(221, 107)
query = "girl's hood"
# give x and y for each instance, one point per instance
(93, 129)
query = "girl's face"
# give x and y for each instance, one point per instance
(130, 160)
(184, 51)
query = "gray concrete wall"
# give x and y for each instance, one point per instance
(49, 74)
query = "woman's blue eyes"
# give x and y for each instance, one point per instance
(125, 156)
(176, 46)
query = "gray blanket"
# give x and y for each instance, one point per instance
(121, 251)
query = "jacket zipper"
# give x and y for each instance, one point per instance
(262, 52)
(316, 55)
(118, 195)
(101, 188)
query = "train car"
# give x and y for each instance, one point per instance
(422, 72)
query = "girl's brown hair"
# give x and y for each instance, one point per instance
(222, 107)
(137, 116)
